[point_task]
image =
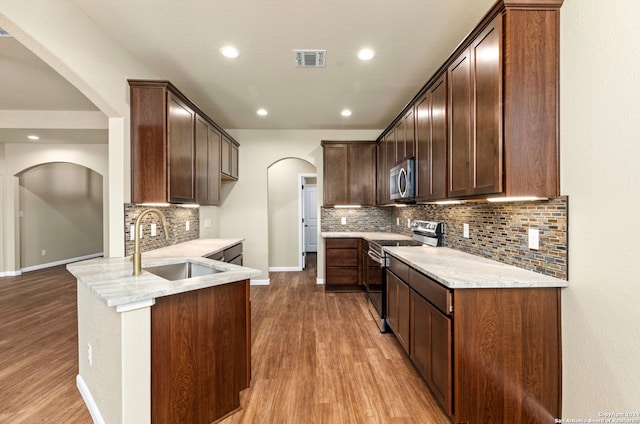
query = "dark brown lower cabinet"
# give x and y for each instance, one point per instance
(343, 264)
(431, 348)
(200, 353)
(489, 355)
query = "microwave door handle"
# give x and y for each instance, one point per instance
(402, 193)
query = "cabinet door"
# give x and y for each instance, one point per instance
(423, 149)
(438, 141)
(382, 174)
(460, 124)
(335, 174)
(409, 134)
(234, 161)
(392, 301)
(361, 174)
(207, 164)
(486, 153)
(431, 345)
(202, 162)
(404, 314)
(181, 121)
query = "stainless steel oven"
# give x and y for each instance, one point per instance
(375, 262)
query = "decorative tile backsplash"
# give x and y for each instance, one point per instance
(497, 231)
(177, 218)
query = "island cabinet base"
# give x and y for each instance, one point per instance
(507, 355)
(200, 354)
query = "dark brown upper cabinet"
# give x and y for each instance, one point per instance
(475, 113)
(501, 110)
(175, 147)
(431, 142)
(229, 159)
(349, 173)
(207, 163)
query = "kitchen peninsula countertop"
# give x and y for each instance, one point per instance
(456, 269)
(365, 235)
(111, 279)
(459, 270)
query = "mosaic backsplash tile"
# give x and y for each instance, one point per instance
(177, 218)
(497, 231)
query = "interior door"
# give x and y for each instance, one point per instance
(310, 218)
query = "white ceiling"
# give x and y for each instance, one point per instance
(180, 40)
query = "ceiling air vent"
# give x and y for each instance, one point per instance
(4, 33)
(310, 58)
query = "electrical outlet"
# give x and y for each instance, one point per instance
(465, 230)
(398, 221)
(207, 223)
(343, 220)
(89, 354)
(187, 225)
(132, 232)
(534, 238)
(44, 252)
(153, 230)
(408, 223)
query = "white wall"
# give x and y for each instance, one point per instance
(60, 213)
(245, 209)
(600, 145)
(66, 39)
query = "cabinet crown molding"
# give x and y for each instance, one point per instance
(533, 4)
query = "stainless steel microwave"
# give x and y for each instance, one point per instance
(402, 184)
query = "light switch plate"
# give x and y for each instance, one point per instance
(132, 232)
(534, 239)
(343, 220)
(187, 225)
(153, 230)
(465, 230)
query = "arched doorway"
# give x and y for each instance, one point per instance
(285, 212)
(60, 214)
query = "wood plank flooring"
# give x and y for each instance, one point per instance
(319, 358)
(39, 349)
(316, 357)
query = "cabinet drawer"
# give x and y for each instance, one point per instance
(218, 256)
(435, 293)
(342, 257)
(399, 268)
(342, 243)
(232, 252)
(342, 276)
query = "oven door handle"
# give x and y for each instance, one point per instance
(374, 256)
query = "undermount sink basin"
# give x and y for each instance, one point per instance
(182, 270)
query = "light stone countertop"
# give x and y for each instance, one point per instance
(456, 269)
(459, 270)
(111, 279)
(365, 235)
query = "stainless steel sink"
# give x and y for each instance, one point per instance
(182, 270)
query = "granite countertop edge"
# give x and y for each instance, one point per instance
(111, 279)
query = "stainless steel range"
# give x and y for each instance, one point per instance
(375, 264)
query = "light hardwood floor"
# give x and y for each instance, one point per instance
(316, 357)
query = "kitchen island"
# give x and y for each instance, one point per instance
(156, 350)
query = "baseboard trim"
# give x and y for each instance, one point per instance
(10, 273)
(259, 282)
(61, 262)
(319, 280)
(284, 269)
(88, 400)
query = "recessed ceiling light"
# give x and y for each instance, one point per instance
(229, 51)
(33, 137)
(262, 112)
(366, 54)
(345, 112)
